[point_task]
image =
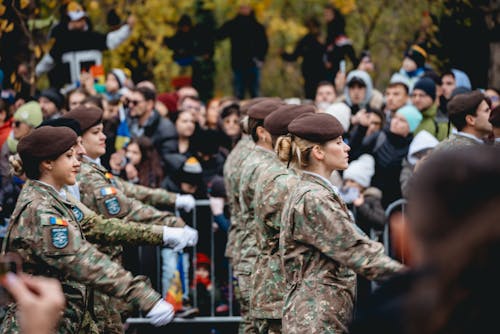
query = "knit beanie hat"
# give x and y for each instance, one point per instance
(29, 113)
(417, 54)
(191, 171)
(399, 79)
(411, 115)
(120, 76)
(422, 141)
(342, 112)
(427, 85)
(54, 96)
(361, 170)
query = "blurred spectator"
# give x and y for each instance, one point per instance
(420, 147)
(494, 96)
(358, 91)
(369, 123)
(365, 62)
(193, 104)
(143, 163)
(206, 145)
(76, 97)
(311, 49)
(51, 102)
(77, 47)
(217, 196)
(325, 95)
(495, 123)
(413, 66)
(115, 83)
(213, 114)
(187, 180)
(182, 42)
(230, 120)
(249, 47)
(5, 121)
(396, 95)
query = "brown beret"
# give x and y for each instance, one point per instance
(318, 128)
(465, 103)
(277, 122)
(262, 109)
(245, 106)
(495, 117)
(86, 116)
(46, 142)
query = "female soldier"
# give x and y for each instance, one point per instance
(44, 231)
(320, 246)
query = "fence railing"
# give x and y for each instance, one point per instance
(212, 317)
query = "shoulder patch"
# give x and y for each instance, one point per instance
(112, 205)
(78, 213)
(108, 191)
(59, 237)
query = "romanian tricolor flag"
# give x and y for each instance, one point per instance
(108, 175)
(108, 191)
(58, 221)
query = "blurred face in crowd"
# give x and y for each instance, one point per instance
(64, 169)
(133, 153)
(357, 93)
(375, 123)
(75, 99)
(494, 97)
(366, 65)
(480, 121)
(112, 85)
(193, 106)
(188, 188)
(409, 65)
(336, 154)
(399, 125)
(245, 10)
(111, 110)
(325, 93)
(395, 97)
(138, 106)
(421, 100)
(186, 91)
(448, 85)
(20, 129)
(328, 15)
(48, 107)
(212, 114)
(231, 125)
(185, 124)
(78, 24)
(94, 141)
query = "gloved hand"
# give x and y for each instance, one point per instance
(161, 314)
(216, 205)
(185, 202)
(175, 238)
(191, 235)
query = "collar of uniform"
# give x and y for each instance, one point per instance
(324, 181)
(59, 194)
(95, 163)
(257, 147)
(468, 135)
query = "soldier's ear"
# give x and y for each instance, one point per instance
(318, 153)
(46, 165)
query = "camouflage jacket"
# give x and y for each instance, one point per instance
(232, 173)
(105, 194)
(322, 249)
(268, 282)
(456, 141)
(45, 233)
(255, 162)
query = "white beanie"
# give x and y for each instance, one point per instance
(342, 113)
(120, 76)
(422, 141)
(361, 170)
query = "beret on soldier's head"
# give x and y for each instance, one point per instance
(67, 122)
(46, 142)
(318, 128)
(466, 103)
(262, 109)
(245, 106)
(277, 122)
(86, 116)
(495, 117)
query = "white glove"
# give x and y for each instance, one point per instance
(175, 238)
(191, 235)
(216, 205)
(185, 202)
(161, 314)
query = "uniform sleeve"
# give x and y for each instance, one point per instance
(321, 222)
(63, 248)
(147, 195)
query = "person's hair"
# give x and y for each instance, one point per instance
(458, 119)
(175, 116)
(454, 210)
(5, 107)
(95, 100)
(380, 114)
(324, 83)
(29, 166)
(311, 23)
(253, 124)
(147, 93)
(16, 165)
(395, 84)
(80, 90)
(149, 168)
(192, 97)
(294, 149)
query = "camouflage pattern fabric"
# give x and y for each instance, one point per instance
(322, 249)
(44, 231)
(268, 326)
(455, 141)
(268, 282)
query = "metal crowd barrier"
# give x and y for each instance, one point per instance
(212, 318)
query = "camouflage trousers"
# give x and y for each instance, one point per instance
(107, 311)
(267, 326)
(244, 283)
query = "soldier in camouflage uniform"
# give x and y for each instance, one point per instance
(259, 157)
(115, 198)
(46, 234)
(272, 187)
(320, 245)
(469, 113)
